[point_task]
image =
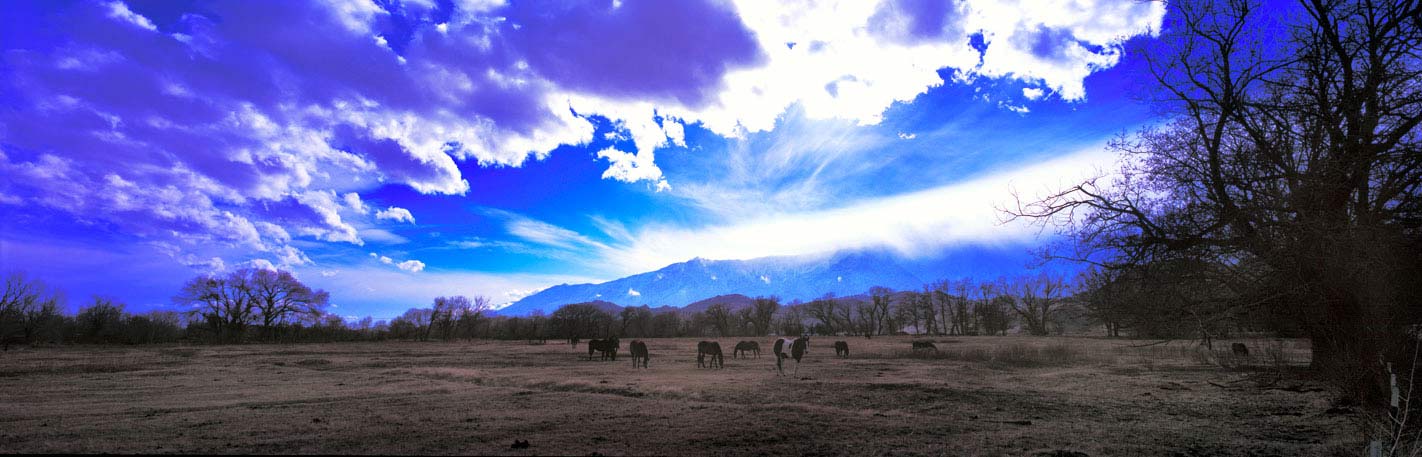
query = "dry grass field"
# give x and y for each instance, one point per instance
(976, 396)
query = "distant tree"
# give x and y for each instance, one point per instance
(636, 322)
(880, 299)
(100, 322)
(762, 314)
(719, 316)
(580, 320)
(29, 311)
(223, 302)
(279, 298)
(667, 325)
(823, 311)
(791, 321)
(413, 324)
(1037, 298)
(469, 318)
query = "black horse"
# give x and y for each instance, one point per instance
(745, 347)
(639, 351)
(796, 350)
(607, 347)
(709, 348)
(924, 346)
(841, 349)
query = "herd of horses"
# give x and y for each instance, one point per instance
(709, 355)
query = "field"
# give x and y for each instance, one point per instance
(975, 396)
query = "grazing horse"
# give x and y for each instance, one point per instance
(639, 351)
(607, 347)
(1239, 349)
(924, 346)
(573, 341)
(712, 349)
(841, 349)
(746, 347)
(796, 350)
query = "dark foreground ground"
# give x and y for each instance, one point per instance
(977, 396)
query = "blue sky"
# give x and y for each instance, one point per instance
(393, 151)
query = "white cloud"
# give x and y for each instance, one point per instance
(1032, 93)
(413, 266)
(387, 292)
(119, 10)
(633, 292)
(543, 233)
(907, 136)
(632, 167)
(912, 223)
(396, 214)
(354, 203)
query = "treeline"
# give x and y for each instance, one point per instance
(255, 305)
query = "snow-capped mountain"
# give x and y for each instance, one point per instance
(790, 278)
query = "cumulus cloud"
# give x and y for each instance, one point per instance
(225, 123)
(633, 293)
(411, 265)
(396, 214)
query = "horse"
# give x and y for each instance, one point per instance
(573, 341)
(1239, 349)
(712, 349)
(841, 349)
(639, 351)
(924, 346)
(607, 347)
(798, 346)
(746, 346)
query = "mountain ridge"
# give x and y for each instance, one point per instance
(790, 278)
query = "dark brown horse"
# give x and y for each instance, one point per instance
(796, 350)
(924, 346)
(841, 349)
(639, 352)
(709, 348)
(607, 347)
(745, 347)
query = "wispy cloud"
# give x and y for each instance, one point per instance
(913, 223)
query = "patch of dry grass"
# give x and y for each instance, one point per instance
(974, 396)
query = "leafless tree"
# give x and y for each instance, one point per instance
(222, 301)
(1298, 157)
(1037, 297)
(762, 314)
(720, 318)
(278, 297)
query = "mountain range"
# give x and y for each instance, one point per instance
(804, 278)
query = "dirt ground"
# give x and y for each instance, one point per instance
(975, 396)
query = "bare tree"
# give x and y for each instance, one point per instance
(1297, 170)
(277, 297)
(29, 311)
(720, 319)
(763, 313)
(823, 310)
(224, 302)
(1037, 298)
(880, 299)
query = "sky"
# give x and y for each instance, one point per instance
(393, 151)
